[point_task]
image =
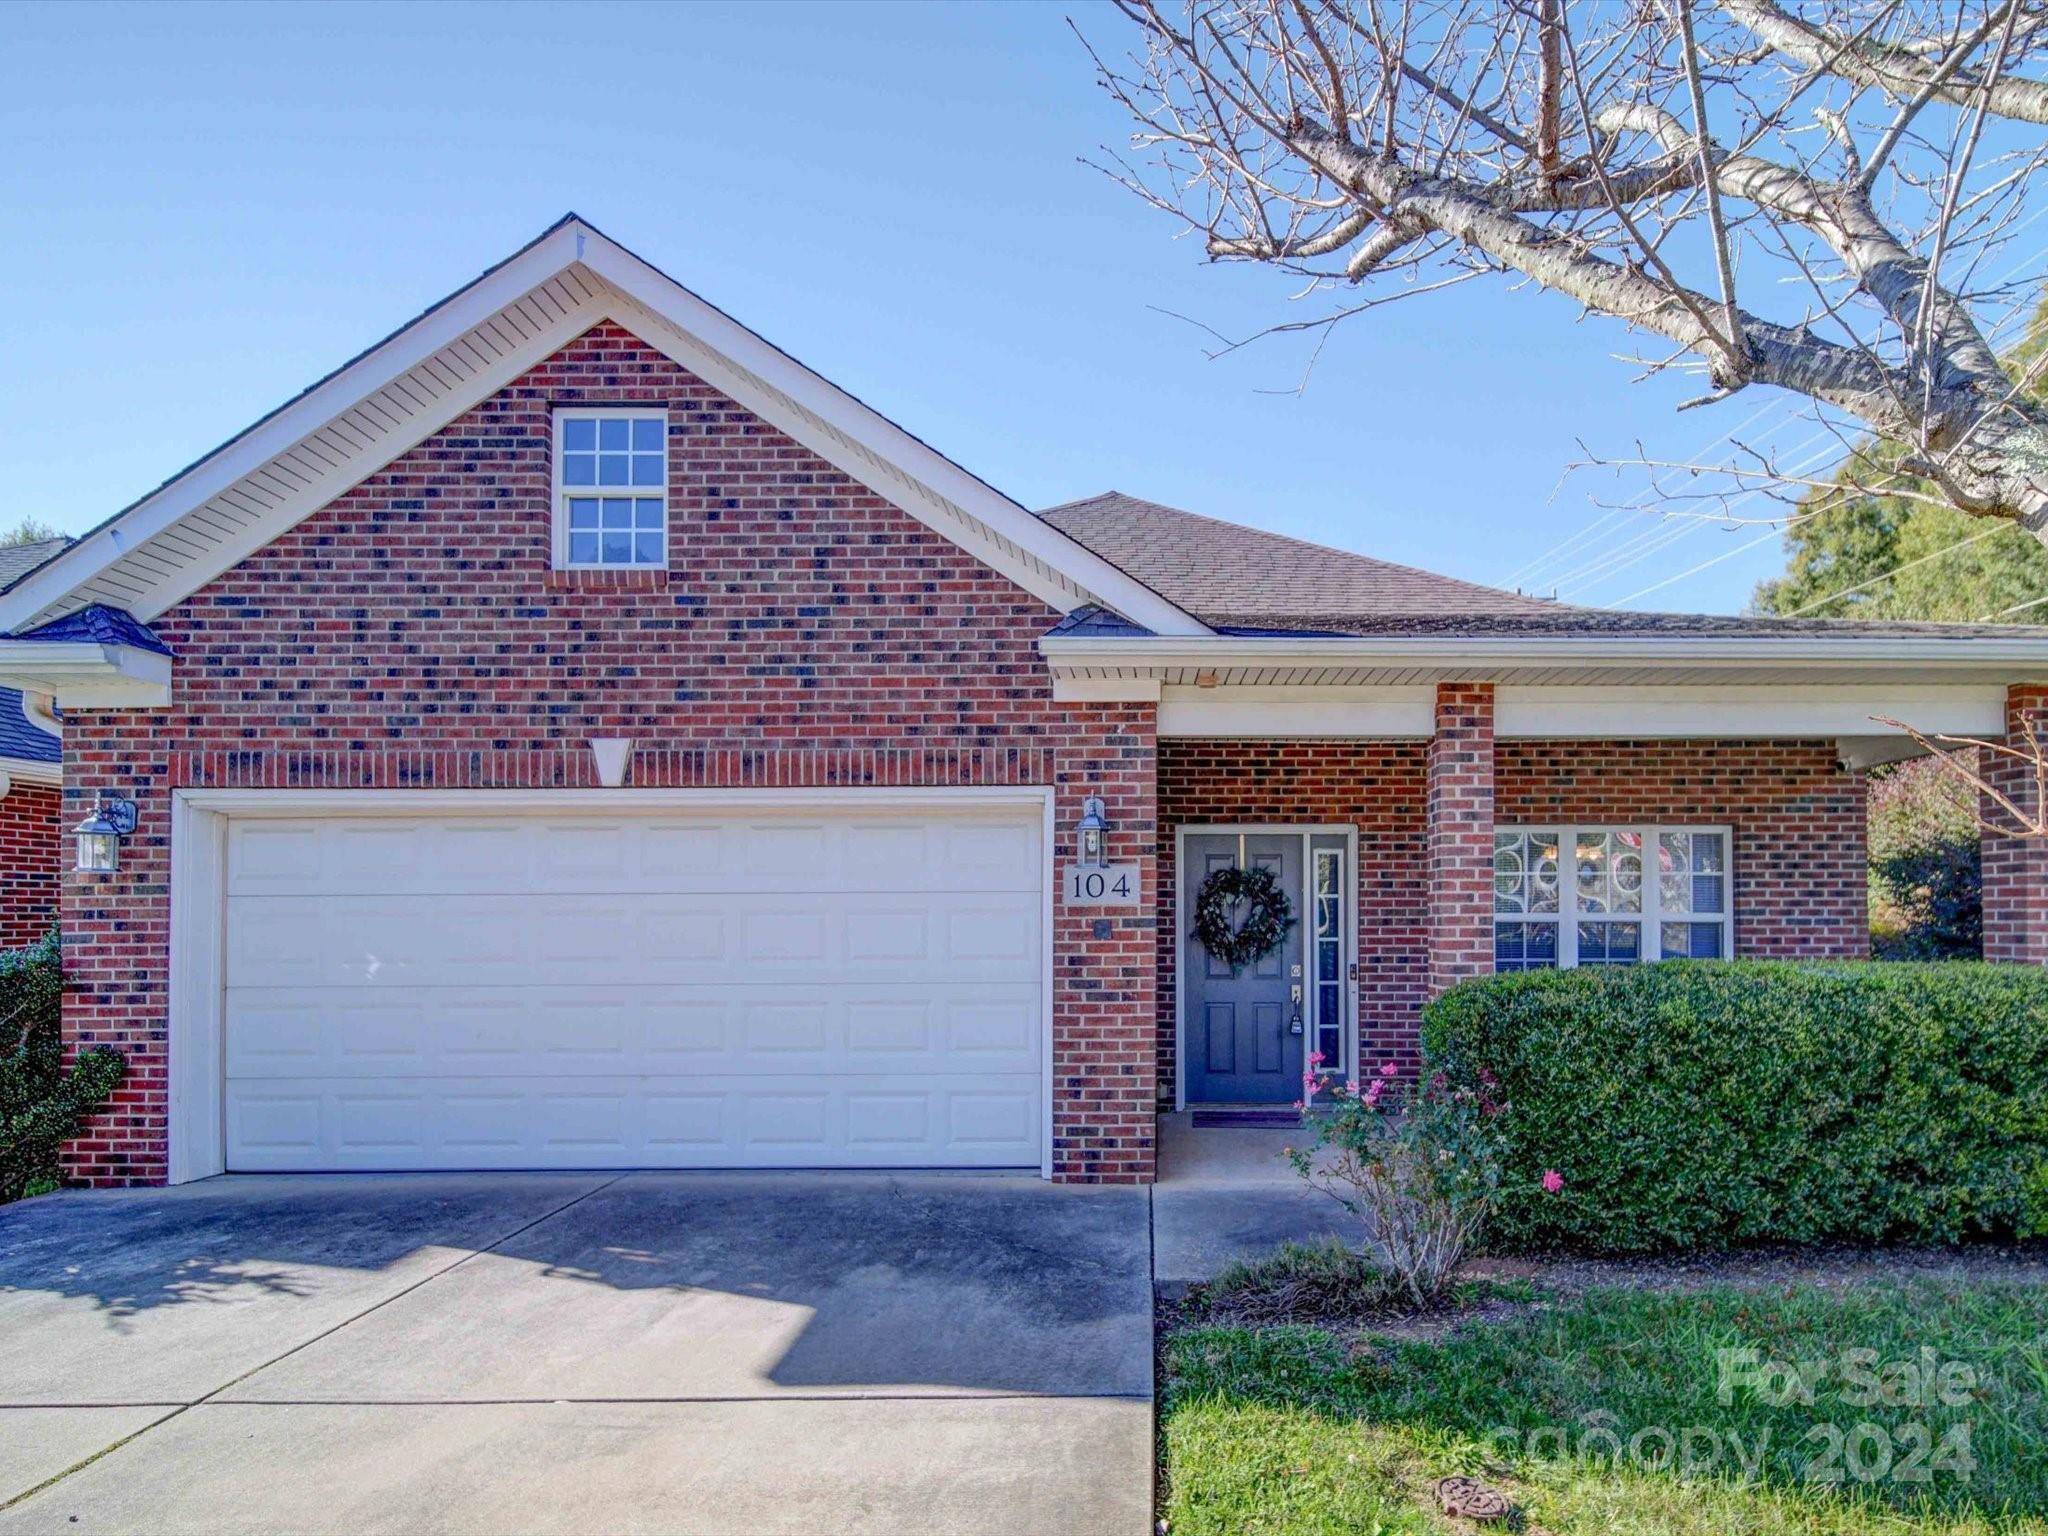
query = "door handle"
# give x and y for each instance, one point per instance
(1296, 998)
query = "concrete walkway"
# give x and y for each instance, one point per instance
(542, 1353)
(1230, 1193)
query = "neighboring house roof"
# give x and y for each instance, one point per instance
(24, 738)
(287, 466)
(1245, 581)
(17, 560)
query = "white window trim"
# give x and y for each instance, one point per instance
(1652, 917)
(558, 514)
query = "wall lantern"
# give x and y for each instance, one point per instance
(1091, 834)
(100, 834)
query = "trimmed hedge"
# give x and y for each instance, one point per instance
(41, 1105)
(1701, 1104)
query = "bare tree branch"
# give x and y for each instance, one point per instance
(1680, 168)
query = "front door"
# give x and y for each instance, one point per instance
(1245, 1031)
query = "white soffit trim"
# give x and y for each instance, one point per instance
(293, 462)
(1619, 659)
(1970, 709)
(252, 488)
(1293, 712)
(85, 674)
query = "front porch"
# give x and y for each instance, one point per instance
(1415, 862)
(1226, 1193)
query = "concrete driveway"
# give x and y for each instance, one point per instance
(588, 1353)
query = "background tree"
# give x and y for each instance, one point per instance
(30, 530)
(1665, 163)
(1926, 875)
(1850, 554)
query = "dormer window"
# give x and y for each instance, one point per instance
(611, 488)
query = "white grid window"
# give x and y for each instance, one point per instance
(1569, 895)
(611, 489)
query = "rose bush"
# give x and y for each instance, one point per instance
(1420, 1165)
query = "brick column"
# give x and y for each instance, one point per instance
(1460, 835)
(2015, 868)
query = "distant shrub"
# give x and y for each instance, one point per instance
(1699, 1104)
(41, 1105)
(1926, 885)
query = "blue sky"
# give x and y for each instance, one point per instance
(209, 207)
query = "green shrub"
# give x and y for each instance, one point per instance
(1926, 877)
(1699, 1104)
(40, 1103)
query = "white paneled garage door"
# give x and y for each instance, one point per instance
(794, 989)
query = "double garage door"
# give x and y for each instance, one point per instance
(769, 989)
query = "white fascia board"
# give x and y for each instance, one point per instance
(24, 771)
(280, 519)
(221, 469)
(1755, 711)
(2025, 657)
(922, 463)
(1376, 713)
(1105, 690)
(84, 674)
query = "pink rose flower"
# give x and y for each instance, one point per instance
(1389, 1070)
(1553, 1181)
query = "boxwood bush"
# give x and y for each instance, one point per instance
(1701, 1104)
(41, 1105)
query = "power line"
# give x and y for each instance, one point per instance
(1775, 533)
(1992, 618)
(1975, 538)
(1602, 566)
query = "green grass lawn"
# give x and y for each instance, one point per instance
(1290, 1429)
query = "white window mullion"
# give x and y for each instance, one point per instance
(1653, 894)
(1568, 898)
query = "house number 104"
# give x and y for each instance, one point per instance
(1102, 885)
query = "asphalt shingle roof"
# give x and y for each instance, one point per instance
(1215, 569)
(1235, 578)
(17, 560)
(21, 737)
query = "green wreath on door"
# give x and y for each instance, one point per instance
(1242, 915)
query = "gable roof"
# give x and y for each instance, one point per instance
(17, 560)
(245, 493)
(1245, 581)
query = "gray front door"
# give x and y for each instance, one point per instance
(1244, 1032)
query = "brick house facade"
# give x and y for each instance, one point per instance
(31, 805)
(848, 640)
(31, 857)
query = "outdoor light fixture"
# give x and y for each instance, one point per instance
(1091, 833)
(100, 834)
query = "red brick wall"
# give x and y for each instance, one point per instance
(2015, 868)
(1801, 880)
(1798, 845)
(1460, 838)
(31, 855)
(807, 632)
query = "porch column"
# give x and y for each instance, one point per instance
(2015, 868)
(1460, 834)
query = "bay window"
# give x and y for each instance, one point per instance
(1567, 895)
